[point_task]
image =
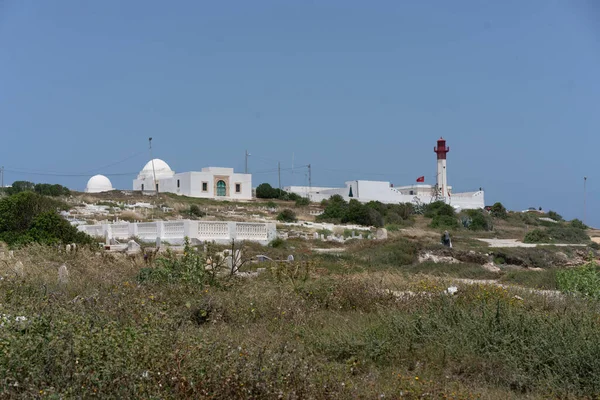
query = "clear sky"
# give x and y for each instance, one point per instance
(360, 90)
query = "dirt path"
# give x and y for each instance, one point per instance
(517, 243)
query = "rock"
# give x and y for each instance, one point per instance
(19, 270)
(63, 274)
(490, 266)
(452, 290)
(381, 234)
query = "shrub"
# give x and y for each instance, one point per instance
(555, 216)
(277, 243)
(287, 215)
(302, 201)
(478, 221)
(577, 224)
(292, 196)
(271, 204)
(439, 208)
(498, 211)
(584, 280)
(444, 221)
(537, 236)
(19, 214)
(196, 212)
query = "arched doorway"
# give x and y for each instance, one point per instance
(221, 188)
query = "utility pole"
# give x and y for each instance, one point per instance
(247, 154)
(584, 196)
(279, 174)
(153, 170)
(309, 181)
(2, 172)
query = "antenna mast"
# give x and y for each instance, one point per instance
(153, 170)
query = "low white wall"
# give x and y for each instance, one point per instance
(175, 231)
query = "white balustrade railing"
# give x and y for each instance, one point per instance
(176, 231)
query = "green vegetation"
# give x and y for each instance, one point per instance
(302, 202)
(555, 216)
(558, 233)
(45, 189)
(28, 217)
(442, 215)
(499, 211)
(477, 220)
(287, 215)
(171, 330)
(373, 213)
(196, 212)
(584, 280)
(544, 279)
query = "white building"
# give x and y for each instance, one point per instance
(210, 182)
(385, 192)
(98, 184)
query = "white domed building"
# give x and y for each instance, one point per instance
(98, 184)
(210, 182)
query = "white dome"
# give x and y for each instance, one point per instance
(97, 184)
(160, 168)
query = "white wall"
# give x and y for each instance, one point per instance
(365, 191)
(190, 184)
(175, 231)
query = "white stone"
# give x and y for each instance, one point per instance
(381, 234)
(19, 270)
(63, 274)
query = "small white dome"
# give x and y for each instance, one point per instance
(97, 184)
(160, 168)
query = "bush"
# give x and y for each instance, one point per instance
(292, 196)
(302, 201)
(577, 224)
(557, 234)
(29, 217)
(583, 281)
(444, 222)
(277, 243)
(196, 212)
(439, 208)
(498, 211)
(537, 236)
(477, 221)
(555, 216)
(287, 215)
(266, 191)
(271, 204)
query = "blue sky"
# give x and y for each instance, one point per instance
(360, 90)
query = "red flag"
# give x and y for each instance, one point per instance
(421, 179)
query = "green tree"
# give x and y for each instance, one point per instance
(20, 186)
(266, 191)
(498, 211)
(51, 228)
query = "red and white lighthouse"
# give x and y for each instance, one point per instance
(442, 179)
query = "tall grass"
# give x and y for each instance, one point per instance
(104, 334)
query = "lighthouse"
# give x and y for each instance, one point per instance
(442, 179)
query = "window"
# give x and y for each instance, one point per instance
(238, 187)
(177, 183)
(221, 188)
(142, 187)
(205, 186)
(157, 187)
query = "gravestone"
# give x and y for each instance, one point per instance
(158, 242)
(133, 247)
(381, 234)
(68, 248)
(63, 274)
(316, 235)
(290, 258)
